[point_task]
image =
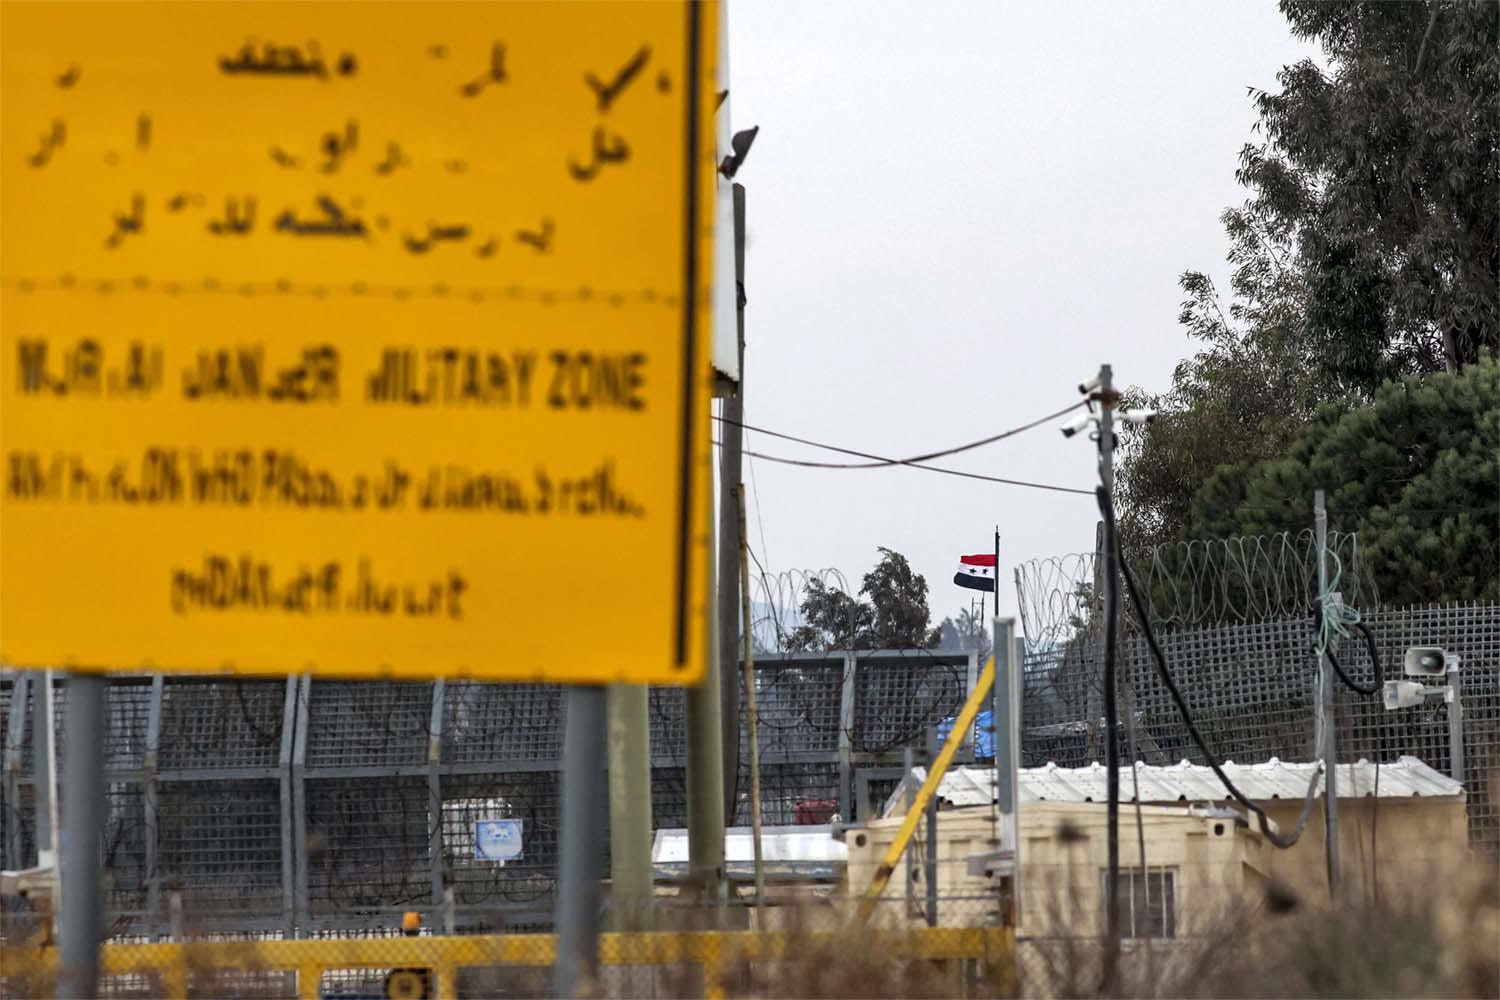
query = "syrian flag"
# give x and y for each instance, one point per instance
(976, 572)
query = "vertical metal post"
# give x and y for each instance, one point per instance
(81, 918)
(1013, 740)
(750, 716)
(44, 777)
(847, 690)
(1107, 401)
(705, 774)
(435, 830)
(630, 807)
(583, 816)
(731, 530)
(1455, 724)
(152, 801)
(1325, 693)
(931, 874)
(301, 905)
(1006, 713)
(289, 818)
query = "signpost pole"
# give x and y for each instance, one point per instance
(630, 807)
(705, 774)
(582, 855)
(81, 921)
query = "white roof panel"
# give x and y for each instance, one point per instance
(1275, 779)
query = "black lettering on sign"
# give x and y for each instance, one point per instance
(582, 380)
(242, 373)
(223, 583)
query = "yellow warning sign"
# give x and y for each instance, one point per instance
(367, 340)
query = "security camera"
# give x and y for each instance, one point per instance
(1084, 388)
(1402, 694)
(1078, 423)
(1138, 418)
(1428, 661)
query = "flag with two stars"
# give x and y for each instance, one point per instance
(976, 572)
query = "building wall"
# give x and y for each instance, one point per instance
(1215, 865)
(1408, 840)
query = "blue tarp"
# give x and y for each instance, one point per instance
(984, 733)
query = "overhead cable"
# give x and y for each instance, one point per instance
(928, 468)
(880, 462)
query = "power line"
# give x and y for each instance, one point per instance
(759, 519)
(880, 462)
(927, 468)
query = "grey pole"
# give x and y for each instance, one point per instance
(1111, 713)
(750, 715)
(1005, 714)
(630, 806)
(45, 782)
(1455, 726)
(582, 833)
(731, 433)
(1325, 685)
(705, 775)
(81, 920)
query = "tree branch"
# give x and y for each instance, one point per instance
(1426, 35)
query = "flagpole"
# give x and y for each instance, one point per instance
(997, 573)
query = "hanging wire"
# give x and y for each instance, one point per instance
(879, 462)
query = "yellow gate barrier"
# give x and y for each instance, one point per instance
(442, 956)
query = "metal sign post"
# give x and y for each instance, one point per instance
(581, 859)
(81, 918)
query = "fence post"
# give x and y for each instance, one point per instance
(151, 800)
(435, 801)
(298, 825)
(288, 816)
(846, 732)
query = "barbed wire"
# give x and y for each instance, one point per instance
(1238, 580)
(781, 595)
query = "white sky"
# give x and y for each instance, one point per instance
(956, 212)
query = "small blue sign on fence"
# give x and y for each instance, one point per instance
(497, 839)
(984, 733)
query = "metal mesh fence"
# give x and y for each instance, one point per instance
(1251, 690)
(300, 806)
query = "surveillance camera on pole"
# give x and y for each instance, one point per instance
(1432, 662)
(1139, 418)
(1081, 422)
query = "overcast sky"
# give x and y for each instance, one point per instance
(956, 212)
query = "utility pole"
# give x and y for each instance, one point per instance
(1107, 399)
(731, 434)
(81, 922)
(1325, 695)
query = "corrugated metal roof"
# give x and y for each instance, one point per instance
(1185, 782)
